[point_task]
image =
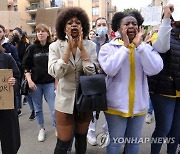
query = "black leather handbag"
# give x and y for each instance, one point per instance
(24, 87)
(91, 93)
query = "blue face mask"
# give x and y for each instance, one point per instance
(101, 31)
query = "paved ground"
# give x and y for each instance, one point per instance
(30, 144)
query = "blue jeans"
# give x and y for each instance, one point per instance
(47, 90)
(121, 128)
(150, 110)
(30, 101)
(167, 117)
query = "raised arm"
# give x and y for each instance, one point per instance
(162, 44)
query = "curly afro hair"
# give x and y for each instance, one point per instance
(117, 18)
(66, 14)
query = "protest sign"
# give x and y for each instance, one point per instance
(6, 91)
(152, 15)
(47, 16)
(10, 19)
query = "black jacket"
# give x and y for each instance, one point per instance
(22, 46)
(167, 82)
(11, 49)
(9, 124)
(36, 61)
(8, 62)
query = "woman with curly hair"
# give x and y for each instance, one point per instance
(69, 57)
(127, 62)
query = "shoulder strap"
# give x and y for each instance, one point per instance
(96, 68)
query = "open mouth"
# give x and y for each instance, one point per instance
(130, 32)
(74, 30)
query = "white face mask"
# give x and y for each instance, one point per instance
(101, 31)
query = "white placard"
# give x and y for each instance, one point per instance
(152, 15)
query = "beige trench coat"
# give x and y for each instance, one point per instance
(68, 74)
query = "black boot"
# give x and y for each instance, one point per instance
(72, 139)
(62, 147)
(80, 143)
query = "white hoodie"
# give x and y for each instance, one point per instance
(127, 70)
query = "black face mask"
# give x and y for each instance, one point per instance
(15, 38)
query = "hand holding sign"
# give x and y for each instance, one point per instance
(11, 81)
(168, 10)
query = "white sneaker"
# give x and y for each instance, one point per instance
(148, 119)
(42, 134)
(91, 138)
